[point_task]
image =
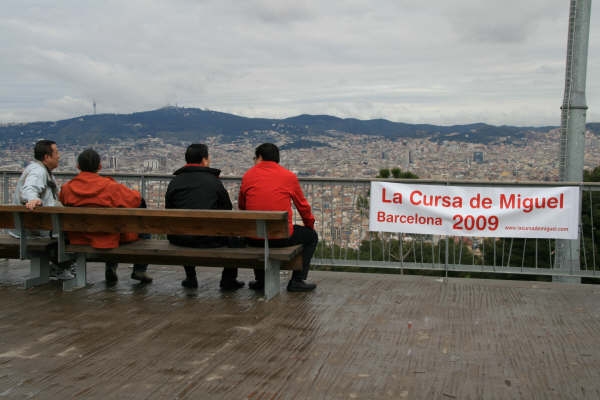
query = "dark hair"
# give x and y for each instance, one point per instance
(195, 153)
(43, 148)
(268, 152)
(89, 160)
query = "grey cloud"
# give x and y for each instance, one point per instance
(508, 21)
(396, 59)
(280, 11)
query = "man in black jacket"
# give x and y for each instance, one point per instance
(197, 186)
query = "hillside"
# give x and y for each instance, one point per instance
(176, 124)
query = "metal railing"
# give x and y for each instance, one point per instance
(341, 210)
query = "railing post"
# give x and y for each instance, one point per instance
(446, 255)
(143, 187)
(568, 257)
(5, 198)
(572, 130)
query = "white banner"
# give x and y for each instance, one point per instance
(526, 212)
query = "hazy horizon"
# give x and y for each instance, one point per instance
(436, 62)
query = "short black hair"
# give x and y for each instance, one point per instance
(43, 148)
(268, 152)
(195, 153)
(89, 160)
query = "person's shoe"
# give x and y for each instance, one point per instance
(231, 285)
(65, 275)
(73, 268)
(110, 274)
(54, 270)
(300, 286)
(256, 285)
(191, 283)
(143, 277)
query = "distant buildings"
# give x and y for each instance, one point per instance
(340, 156)
(113, 162)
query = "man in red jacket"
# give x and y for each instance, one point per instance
(270, 187)
(89, 189)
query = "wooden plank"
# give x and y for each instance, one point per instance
(35, 221)
(165, 248)
(163, 252)
(31, 219)
(195, 222)
(188, 213)
(170, 225)
(9, 246)
(7, 220)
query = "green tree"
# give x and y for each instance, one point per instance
(362, 202)
(590, 220)
(396, 173)
(383, 173)
(414, 248)
(399, 174)
(592, 176)
(517, 252)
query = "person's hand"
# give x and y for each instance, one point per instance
(31, 204)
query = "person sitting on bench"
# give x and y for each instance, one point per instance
(37, 187)
(268, 186)
(89, 189)
(197, 186)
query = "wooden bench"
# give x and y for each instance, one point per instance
(36, 249)
(156, 251)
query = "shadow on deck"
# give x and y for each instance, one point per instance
(359, 336)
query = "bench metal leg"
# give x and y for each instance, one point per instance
(272, 283)
(80, 275)
(39, 270)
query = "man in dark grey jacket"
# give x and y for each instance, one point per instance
(197, 186)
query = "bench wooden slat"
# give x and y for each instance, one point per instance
(187, 213)
(191, 222)
(162, 252)
(7, 220)
(31, 220)
(36, 221)
(9, 246)
(166, 225)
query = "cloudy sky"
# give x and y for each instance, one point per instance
(436, 61)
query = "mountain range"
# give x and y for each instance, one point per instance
(177, 124)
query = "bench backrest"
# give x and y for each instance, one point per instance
(273, 224)
(12, 216)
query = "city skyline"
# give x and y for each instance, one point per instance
(343, 155)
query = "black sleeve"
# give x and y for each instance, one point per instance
(223, 200)
(168, 203)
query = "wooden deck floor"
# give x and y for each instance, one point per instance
(358, 336)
